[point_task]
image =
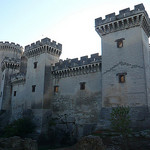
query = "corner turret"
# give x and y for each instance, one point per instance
(11, 46)
(126, 19)
(125, 57)
(45, 45)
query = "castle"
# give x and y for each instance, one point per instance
(79, 94)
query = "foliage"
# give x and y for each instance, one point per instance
(20, 127)
(120, 120)
(52, 122)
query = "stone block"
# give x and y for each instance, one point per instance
(139, 7)
(124, 11)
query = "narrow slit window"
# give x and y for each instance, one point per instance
(82, 85)
(35, 65)
(3, 77)
(15, 92)
(1, 94)
(56, 89)
(33, 88)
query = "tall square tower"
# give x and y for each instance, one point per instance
(125, 57)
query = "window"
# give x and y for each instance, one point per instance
(33, 88)
(35, 65)
(3, 77)
(82, 85)
(122, 78)
(119, 42)
(15, 92)
(56, 89)
(1, 94)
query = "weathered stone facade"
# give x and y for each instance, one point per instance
(125, 79)
(78, 94)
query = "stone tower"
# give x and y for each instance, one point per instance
(41, 56)
(10, 54)
(125, 58)
(10, 50)
(32, 84)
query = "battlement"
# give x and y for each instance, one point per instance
(45, 45)
(72, 67)
(125, 19)
(122, 13)
(11, 46)
(45, 41)
(10, 63)
(69, 63)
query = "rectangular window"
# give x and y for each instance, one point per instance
(33, 88)
(1, 94)
(35, 65)
(82, 85)
(56, 89)
(3, 77)
(119, 42)
(121, 78)
(15, 92)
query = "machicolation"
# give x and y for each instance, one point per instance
(43, 46)
(11, 46)
(126, 19)
(74, 66)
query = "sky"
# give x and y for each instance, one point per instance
(69, 22)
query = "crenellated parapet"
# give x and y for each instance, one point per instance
(45, 45)
(4, 46)
(11, 63)
(73, 67)
(18, 77)
(125, 19)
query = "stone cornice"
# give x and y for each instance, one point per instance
(125, 20)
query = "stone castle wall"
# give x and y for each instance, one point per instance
(78, 94)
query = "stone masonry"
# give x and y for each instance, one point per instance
(78, 94)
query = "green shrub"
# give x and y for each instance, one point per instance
(20, 127)
(120, 120)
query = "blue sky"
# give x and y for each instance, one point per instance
(69, 22)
